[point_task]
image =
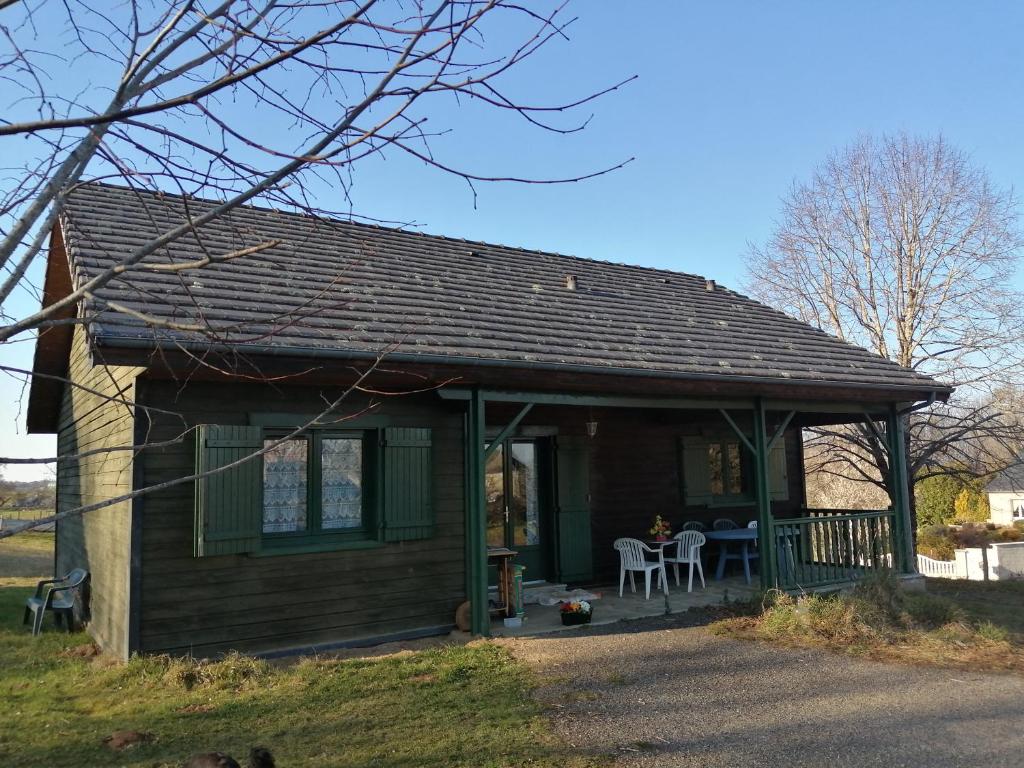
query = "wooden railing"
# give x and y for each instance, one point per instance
(833, 546)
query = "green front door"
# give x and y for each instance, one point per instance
(515, 505)
(572, 483)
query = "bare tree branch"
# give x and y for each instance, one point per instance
(901, 246)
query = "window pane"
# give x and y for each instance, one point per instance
(284, 487)
(735, 470)
(494, 487)
(523, 506)
(716, 469)
(341, 483)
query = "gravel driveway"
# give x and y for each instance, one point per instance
(655, 693)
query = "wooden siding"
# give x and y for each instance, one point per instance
(210, 604)
(100, 540)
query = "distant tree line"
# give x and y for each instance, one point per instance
(37, 494)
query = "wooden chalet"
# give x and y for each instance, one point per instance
(540, 401)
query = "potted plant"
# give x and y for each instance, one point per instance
(576, 612)
(661, 529)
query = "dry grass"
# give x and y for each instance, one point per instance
(880, 621)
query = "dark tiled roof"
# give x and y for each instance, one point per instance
(343, 287)
(1009, 480)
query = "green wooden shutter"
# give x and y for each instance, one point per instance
(408, 473)
(575, 555)
(778, 478)
(696, 472)
(229, 504)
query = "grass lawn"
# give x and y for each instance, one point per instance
(446, 706)
(27, 554)
(960, 624)
(998, 602)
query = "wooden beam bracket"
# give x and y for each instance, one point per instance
(781, 429)
(739, 432)
(508, 430)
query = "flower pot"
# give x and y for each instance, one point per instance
(572, 619)
(661, 537)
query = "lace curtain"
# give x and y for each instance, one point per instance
(284, 487)
(341, 478)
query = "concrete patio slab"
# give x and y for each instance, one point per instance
(610, 608)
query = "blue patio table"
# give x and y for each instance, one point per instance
(744, 536)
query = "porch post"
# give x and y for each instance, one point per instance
(476, 514)
(762, 491)
(900, 482)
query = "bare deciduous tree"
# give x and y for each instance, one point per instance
(239, 101)
(902, 246)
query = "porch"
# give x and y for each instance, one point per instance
(610, 608)
(616, 461)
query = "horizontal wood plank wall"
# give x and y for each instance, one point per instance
(635, 470)
(100, 540)
(637, 475)
(211, 604)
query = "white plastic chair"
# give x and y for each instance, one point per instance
(694, 525)
(688, 544)
(724, 524)
(633, 558)
(754, 555)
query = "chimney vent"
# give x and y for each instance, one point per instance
(570, 282)
(709, 285)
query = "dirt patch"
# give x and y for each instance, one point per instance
(196, 709)
(122, 740)
(87, 651)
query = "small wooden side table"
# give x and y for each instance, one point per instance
(503, 557)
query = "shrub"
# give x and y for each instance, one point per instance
(936, 542)
(972, 536)
(992, 632)
(971, 506)
(934, 499)
(930, 610)
(1013, 533)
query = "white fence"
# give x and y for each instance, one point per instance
(936, 569)
(997, 562)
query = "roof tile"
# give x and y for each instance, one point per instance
(342, 286)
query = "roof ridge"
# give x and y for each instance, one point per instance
(397, 230)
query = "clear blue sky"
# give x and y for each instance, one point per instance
(733, 102)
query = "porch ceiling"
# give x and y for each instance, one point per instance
(807, 412)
